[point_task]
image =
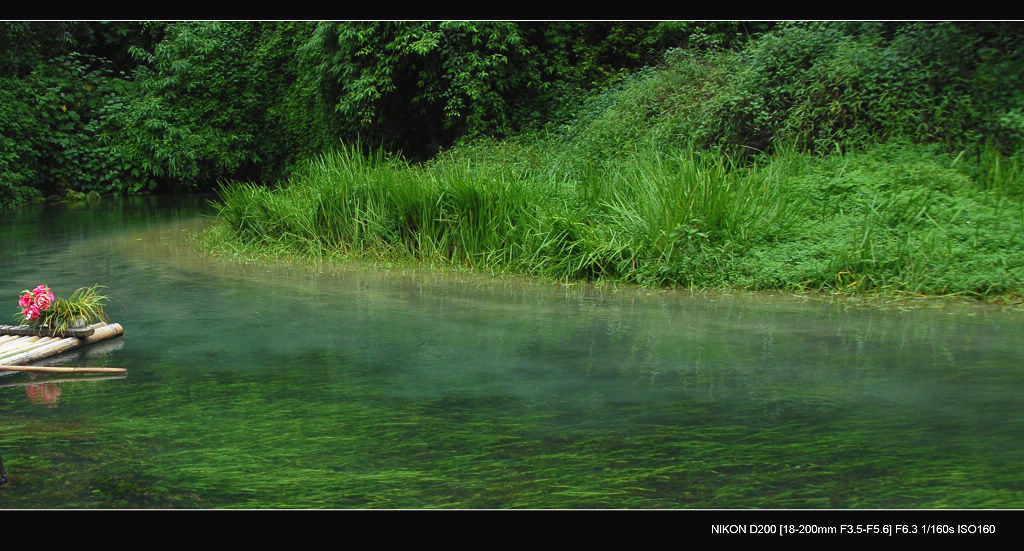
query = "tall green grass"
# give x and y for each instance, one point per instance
(348, 203)
(635, 221)
(896, 218)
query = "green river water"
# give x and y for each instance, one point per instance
(257, 386)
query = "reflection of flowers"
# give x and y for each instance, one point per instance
(47, 394)
(35, 301)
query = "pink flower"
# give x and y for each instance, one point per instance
(43, 301)
(34, 301)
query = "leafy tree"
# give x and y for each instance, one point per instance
(27, 44)
(70, 101)
(835, 84)
(383, 78)
(19, 131)
(197, 109)
(419, 86)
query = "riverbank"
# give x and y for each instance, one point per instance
(262, 263)
(893, 221)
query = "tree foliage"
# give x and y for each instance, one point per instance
(198, 107)
(828, 85)
(131, 106)
(419, 86)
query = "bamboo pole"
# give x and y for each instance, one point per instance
(105, 332)
(48, 369)
(64, 380)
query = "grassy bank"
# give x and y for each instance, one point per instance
(896, 218)
(819, 157)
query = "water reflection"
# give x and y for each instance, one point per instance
(45, 394)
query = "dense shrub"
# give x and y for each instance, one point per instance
(62, 83)
(825, 85)
(19, 130)
(73, 97)
(198, 106)
(52, 130)
(822, 87)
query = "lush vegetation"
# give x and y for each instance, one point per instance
(819, 156)
(896, 217)
(127, 107)
(842, 155)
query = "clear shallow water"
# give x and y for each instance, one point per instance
(271, 387)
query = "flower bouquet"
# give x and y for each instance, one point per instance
(57, 314)
(35, 301)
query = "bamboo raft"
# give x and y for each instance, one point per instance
(22, 344)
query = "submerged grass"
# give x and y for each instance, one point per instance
(894, 219)
(368, 452)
